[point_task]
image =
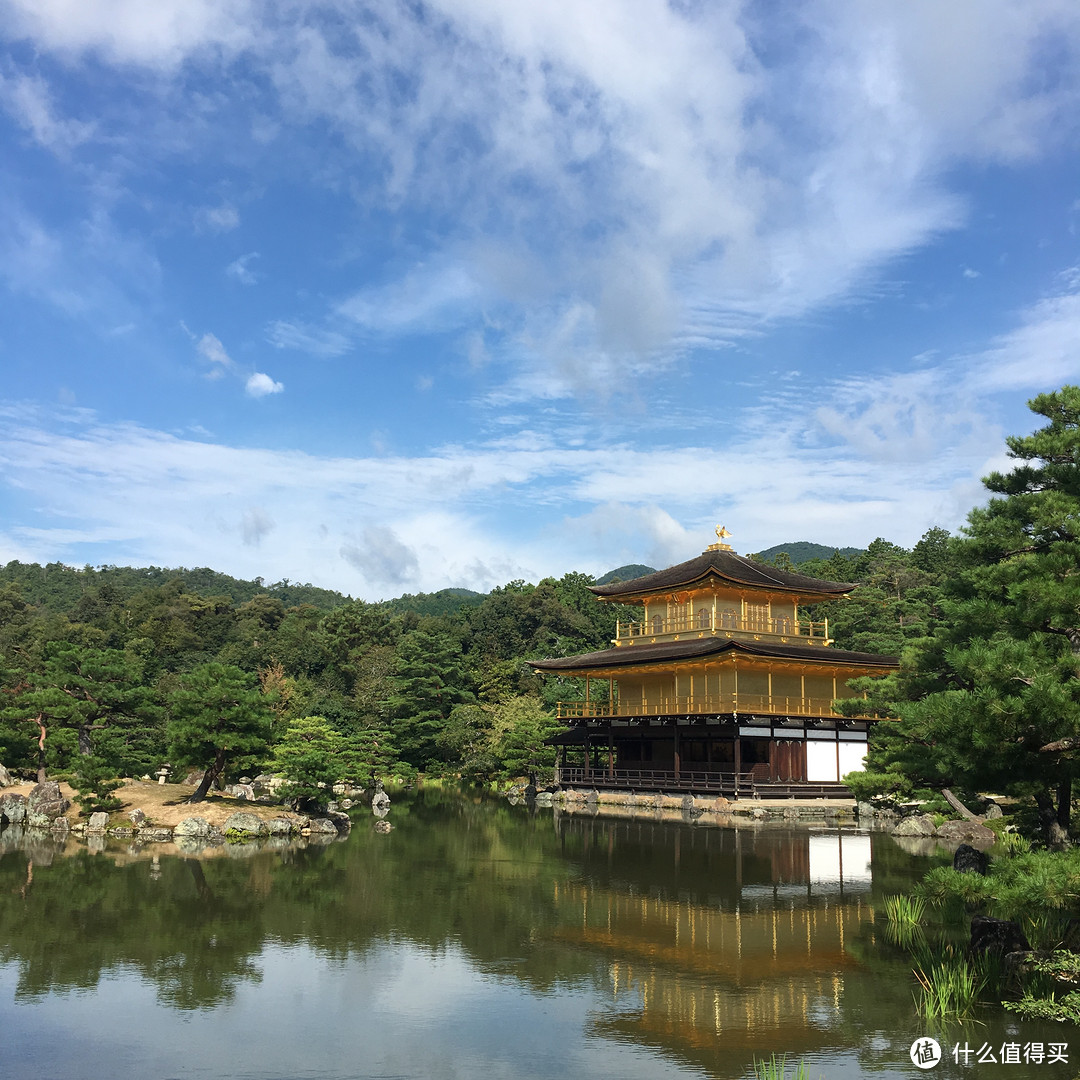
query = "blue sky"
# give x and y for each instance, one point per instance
(401, 296)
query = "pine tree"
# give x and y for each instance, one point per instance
(310, 757)
(217, 713)
(429, 681)
(993, 699)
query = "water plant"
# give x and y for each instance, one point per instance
(905, 911)
(776, 1069)
(949, 988)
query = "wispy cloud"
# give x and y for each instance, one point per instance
(29, 100)
(240, 269)
(314, 340)
(221, 218)
(672, 178)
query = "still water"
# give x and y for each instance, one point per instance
(476, 940)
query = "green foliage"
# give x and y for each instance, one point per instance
(217, 714)
(443, 602)
(72, 695)
(903, 910)
(1036, 880)
(996, 680)
(1059, 1000)
(803, 551)
(311, 758)
(625, 573)
(467, 741)
(775, 1068)
(95, 781)
(429, 682)
(1063, 1009)
(61, 588)
(519, 730)
(949, 987)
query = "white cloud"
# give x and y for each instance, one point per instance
(260, 384)
(29, 100)
(641, 178)
(240, 269)
(210, 348)
(222, 218)
(471, 516)
(1043, 352)
(428, 298)
(314, 340)
(128, 31)
(381, 557)
(254, 525)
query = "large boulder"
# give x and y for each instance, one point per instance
(12, 808)
(246, 824)
(280, 826)
(45, 804)
(915, 825)
(1001, 936)
(322, 825)
(99, 822)
(157, 834)
(6, 779)
(969, 860)
(970, 832)
(192, 827)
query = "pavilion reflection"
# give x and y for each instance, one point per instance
(749, 950)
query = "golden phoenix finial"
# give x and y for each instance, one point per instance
(722, 534)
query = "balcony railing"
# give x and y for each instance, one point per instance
(708, 623)
(700, 705)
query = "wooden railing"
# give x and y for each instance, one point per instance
(712, 622)
(701, 705)
(717, 780)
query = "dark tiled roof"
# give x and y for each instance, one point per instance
(727, 565)
(670, 651)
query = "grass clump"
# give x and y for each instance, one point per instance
(949, 988)
(776, 1069)
(905, 911)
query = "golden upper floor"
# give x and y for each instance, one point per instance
(722, 594)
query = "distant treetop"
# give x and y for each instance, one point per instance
(626, 573)
(800, 551)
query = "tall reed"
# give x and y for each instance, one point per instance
(906, 911)
(949, 988)
(776, 1069)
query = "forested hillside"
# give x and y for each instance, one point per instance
(100, 667)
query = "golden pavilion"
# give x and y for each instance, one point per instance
(724, 686)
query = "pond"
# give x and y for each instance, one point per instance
(476, 939)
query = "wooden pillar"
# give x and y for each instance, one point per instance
(588, 754)
(675, 727)
(610, 751)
